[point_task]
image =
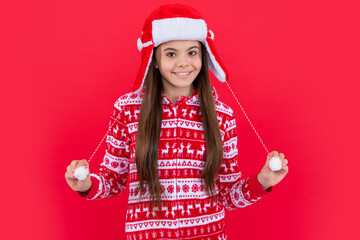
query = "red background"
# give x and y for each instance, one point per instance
(293, 65)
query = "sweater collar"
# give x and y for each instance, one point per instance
(182, 99)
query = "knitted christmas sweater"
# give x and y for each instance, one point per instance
(187, 211)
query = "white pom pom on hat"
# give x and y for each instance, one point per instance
(176, 22)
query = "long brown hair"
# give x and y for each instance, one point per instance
(149, 127)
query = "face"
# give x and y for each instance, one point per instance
(179, 63)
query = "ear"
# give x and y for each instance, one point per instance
(156, 65)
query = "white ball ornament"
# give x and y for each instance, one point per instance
(275, 164)
(81, 173)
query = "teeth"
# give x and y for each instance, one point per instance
(182, 74)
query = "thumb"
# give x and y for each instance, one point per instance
(82, 162)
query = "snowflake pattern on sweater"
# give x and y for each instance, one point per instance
(187, 211)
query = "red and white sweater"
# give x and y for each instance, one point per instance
(187, 212)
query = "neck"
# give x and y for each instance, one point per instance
(173, 94)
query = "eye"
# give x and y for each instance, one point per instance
(170, 54)
(193, 53)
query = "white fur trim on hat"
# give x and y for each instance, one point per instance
(211, 34)
(168, 29)
(141, 45)
(214, 65)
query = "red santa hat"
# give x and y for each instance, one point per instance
(176, 22)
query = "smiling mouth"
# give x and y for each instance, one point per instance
(182, 74)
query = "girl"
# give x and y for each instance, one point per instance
(174, 140)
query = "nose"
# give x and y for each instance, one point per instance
(183, 61)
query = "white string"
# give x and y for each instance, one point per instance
(247, 117)
(233, 96)
(127, 100)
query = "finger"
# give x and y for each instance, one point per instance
(284, 170)
(68, 175)
(82, 163)
(274, 153)
(282, 156)
(70, 171)
(73, 165)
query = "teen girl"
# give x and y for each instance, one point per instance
(174, 140)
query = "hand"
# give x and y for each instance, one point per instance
(268, 178)
(75, 184)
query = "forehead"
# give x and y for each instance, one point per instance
(180, 44)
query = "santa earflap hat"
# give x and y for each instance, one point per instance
(176, 22)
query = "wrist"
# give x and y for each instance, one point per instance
(84, 193)
(262, 182)
(86, 190)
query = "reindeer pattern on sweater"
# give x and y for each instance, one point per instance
(187, 211)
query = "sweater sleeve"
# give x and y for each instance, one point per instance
(111, 178)
(235, 192)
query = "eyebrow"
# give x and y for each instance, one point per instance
(173, 49)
